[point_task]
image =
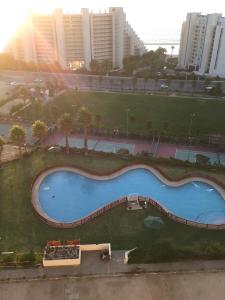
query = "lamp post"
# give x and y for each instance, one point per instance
(192, 116)
(127, 119)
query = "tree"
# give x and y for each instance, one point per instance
(172, 48)
(53, 112)
(24, 93)
(106, 66)
(94, 66)
(39, 130)
(17, 136)
(85, 120)
(217, 90)
(2, 142)
(66, 126)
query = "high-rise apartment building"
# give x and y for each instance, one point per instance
(202, 44)
(74, 40)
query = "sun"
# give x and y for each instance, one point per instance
(11, 16)
(14, 13)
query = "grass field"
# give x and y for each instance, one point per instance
(21, 229)
(176, 111)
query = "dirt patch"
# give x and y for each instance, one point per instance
(10, 152)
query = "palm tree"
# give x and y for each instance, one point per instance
(172, 48)
(17, 136)
(39, 130)
(24, 93)
(66, 125)
(2, 142)
(85, 119)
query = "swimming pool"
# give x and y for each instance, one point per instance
(66, 195)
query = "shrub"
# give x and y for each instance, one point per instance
(123, 151)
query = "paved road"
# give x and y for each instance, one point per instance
(115, 83)
(171, 286)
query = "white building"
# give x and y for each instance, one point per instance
(73, 40)
(202, 44)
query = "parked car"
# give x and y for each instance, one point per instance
(55, 149)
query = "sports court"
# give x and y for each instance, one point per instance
(101, 143)
(190, 155)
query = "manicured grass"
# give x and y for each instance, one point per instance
(21, 229)
(210, 114)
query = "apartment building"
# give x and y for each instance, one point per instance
(202, 44)
(73, 40)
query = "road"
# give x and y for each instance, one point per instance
(95, 82)
(169, 286)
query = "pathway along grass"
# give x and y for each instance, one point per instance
(166, 114)
(21, 229)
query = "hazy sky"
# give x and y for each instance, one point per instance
(150, 19)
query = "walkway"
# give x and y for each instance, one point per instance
(92, 264)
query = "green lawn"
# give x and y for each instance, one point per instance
(210, 114)
(21, 229)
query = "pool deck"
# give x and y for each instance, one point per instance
(166, 180)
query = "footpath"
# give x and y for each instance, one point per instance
(92, 266)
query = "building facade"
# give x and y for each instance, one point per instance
(202, 44)
(73, 40)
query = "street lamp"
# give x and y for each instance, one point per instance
(192, 116)
(127, 115)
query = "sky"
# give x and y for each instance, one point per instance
(152, 20)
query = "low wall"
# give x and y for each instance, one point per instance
(220, 187)
(61, 262)
(96, 247)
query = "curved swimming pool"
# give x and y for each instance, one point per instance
(67, 195)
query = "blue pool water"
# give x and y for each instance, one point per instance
(66, 196)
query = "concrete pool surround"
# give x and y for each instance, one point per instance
(217, 185)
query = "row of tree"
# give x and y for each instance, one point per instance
(66, 124)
